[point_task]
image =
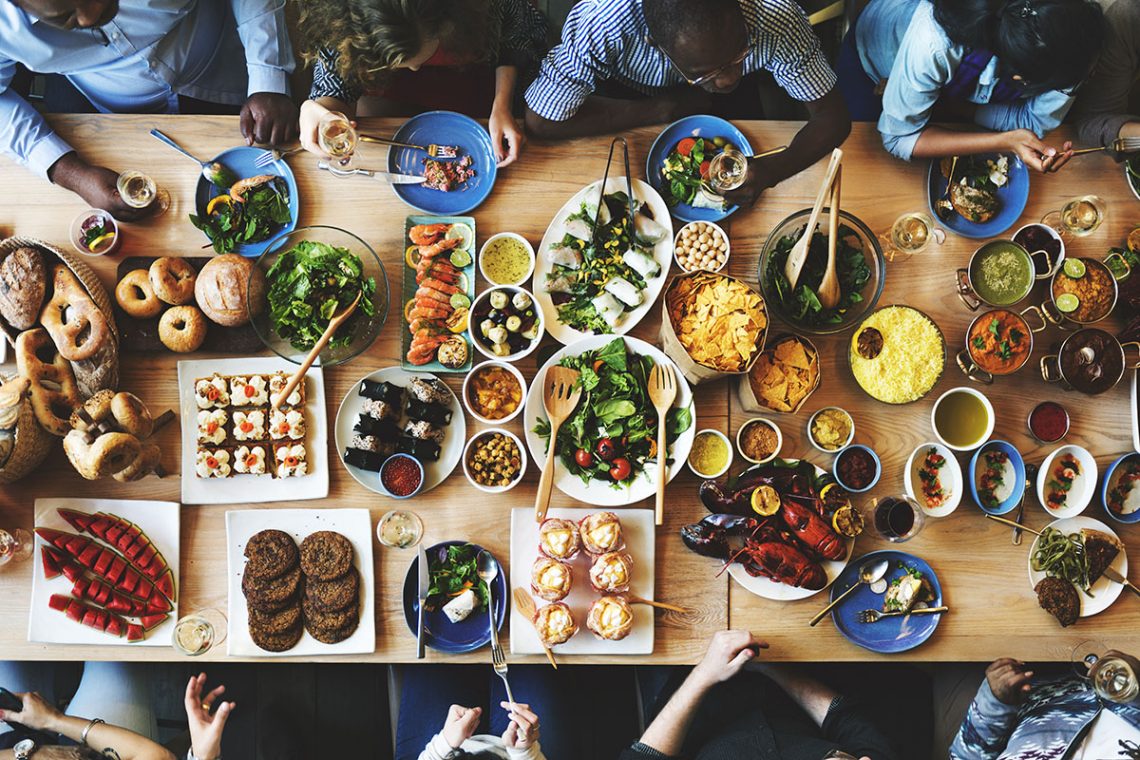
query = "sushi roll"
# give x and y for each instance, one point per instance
(428, 391)
(425, 431)
(436, 414)
(550, 579)
(601, 533)
(277, 383)
(559, 539)
(249, 391)
(388, 392)
(424, 451)
(611, 572)
(554, 624)
(646, 266)
(249, 426)
(608, 308)
(249, 460)
(212, 426)
(364, 460)
(381, 410)
(366, 443)
(385, 430)
(286, 424)
(564, 256)
(610, 618)
(580, 228)
(559, 283)
(211, 392)
(648, 230)
(212, 463)
(290, 460)
(625, 291)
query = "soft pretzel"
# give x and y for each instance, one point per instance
(106, 455)
(146, 463)
(75, 323)
(54, 391)
(136, 295)
(172, 280)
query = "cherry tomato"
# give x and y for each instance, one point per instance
(620, 469)
(605, 449)
(583, 458)
(704, 169)
(685, 147)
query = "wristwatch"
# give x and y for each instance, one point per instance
(24, 749)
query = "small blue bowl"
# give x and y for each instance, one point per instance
(874, 456)
(1018, 475)
(1107, 484)
(691, 126)
(1014, 196)
(389, 460)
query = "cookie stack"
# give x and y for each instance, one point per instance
(332, 587)
(272, 584)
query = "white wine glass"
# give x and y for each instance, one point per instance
(400, 529)
(1113, 678)
(1079, 216)
(15, 545)
(911, 233)
(139, 190)
(337, 137)
(199, 632)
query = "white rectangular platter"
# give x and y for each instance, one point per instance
(354, 524)
(158, 519)
(253, 489)
(637, 526)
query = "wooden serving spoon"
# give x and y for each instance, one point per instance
(662, 393)
(829, 286)
(660, 605)
(560, 394)
(337, 320)
(794, 264)
(526, 607)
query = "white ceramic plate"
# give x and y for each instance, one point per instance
(662, 252)
(949, 475)
(354, 524)
(1105, 591)
(598, 493)
(254, 489)
(1084, 484)
(158, 519)
(353, 404)
(782, 592)
(637, 527)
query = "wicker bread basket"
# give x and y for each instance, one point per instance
(31, 445)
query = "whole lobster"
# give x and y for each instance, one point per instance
(767, 550)
(812, 531)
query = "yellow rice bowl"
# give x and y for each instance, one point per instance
(911, 361)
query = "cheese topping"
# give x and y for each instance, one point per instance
(291, 461)
(211, 392)
(558, 541)
(613, 572)
(249, 426)
(558, 620)
(250, 461)
(212, 464)
(613, 616)
(212, 426)
(553, 576)
(290, 424)
(251, 392)
(604, 535)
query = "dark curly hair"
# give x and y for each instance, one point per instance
(376, 36)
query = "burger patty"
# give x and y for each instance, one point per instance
(1059, 598)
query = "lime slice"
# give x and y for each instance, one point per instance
(412, 256)
(460, 259)
(1074, 268)
(408, 307)
(1067, 303)
(102, 241)
(460, 301)
(463, 231)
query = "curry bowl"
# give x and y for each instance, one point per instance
(1082, 292)
(1090, 361)
(998, 342)
(1000, 273)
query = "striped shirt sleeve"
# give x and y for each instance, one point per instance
(523, 38)
(327, 83)
(794, 53)
(571, 71)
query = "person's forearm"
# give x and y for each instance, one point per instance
(813, 697)
(937, 142)
(667, 732)
(336, 104)
(127, 744)
(600, 115)
(816, 139)
(67, 172)
(506, 77)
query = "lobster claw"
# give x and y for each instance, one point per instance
(710, 536)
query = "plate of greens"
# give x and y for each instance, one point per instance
(452, 572)
(604, 285)
(678, 164)
(607, 451)
(243, 210)
(859, 267)
(310, 273)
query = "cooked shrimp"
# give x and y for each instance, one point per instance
(426, 234)
(429, 294)
(242, 185)
(442, 287)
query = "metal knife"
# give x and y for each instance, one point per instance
(1112, 575)
(425, 584)
(389, 177)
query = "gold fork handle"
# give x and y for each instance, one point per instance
(386, 141)
(1083, 151)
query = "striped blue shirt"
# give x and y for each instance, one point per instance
(606, 40)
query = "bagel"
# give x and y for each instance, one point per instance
(131, 415)
(182, 329)
(136, 296)
(108, 454)
(172, 280)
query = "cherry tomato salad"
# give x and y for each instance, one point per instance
(687, 167)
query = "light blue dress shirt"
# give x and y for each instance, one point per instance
(141, 61)
(900, 42)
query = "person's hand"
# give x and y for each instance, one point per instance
(1009, 680)
(97, 185)
(505, 131)
(1035, 153)
(522, 731)
(38, 714)
(1060, 159)
(310, 122)
(268, 118)
(460, 724)
(728, 653)
(755, 182)
(206, 729)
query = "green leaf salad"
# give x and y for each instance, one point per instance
(230, 222)
(801, 305)
(686, 168)
(451, 571)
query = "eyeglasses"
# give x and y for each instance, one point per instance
(703, 78)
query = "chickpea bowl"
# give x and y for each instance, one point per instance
(494, 460)
(494, 392)
(701, 245)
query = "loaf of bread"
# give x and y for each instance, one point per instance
(23, 284)
(229, 289)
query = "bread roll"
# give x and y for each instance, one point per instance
(23, 284)
(224, 288)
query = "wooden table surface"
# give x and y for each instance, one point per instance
(983, 575)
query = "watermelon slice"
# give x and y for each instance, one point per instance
(129, 581)
(114, 531)
(73, 571)
(134, 551)
(145, 589)
(115, 572)
(158, 604)
(165, 585)
(76, 545)
(75, 610)
(103, 563)
(148, 554)
(78, 520)
(120, 604)
(152, 621)
(135, 632)
(124, 542)
(91, 618)
(115, 626)
(102, 594)
(88, 556)
(59, 602)
(101, 620)
(50, 562)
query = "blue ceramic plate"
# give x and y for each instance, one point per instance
(889, 635)
(443, 128)
(439, 632)
(691, 126)
(1111, 477)
(1018, 474)
(1013, 196)
(241, 162)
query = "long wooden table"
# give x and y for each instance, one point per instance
(984, 577)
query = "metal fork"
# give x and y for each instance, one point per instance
(874, 616)
(499, 661)
(273, 155)
(433, 150)
(1120, 145)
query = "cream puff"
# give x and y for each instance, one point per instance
(601, 533)
(550, 579)
(610, 618)
(554, 624)
(611, 572)
(559, 539)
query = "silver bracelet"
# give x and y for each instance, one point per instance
(87, 729)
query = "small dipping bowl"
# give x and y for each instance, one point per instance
(727, 445)
(759, 421)
(1018, 465)
(811, 425)
(392, 462)
(1116, 472)
(77, 233)
(492, 243)
(696, 228)
(1045, 419)
(853, 450)
(469, 405)
(485, 434)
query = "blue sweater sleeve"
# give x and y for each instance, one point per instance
(986, 729)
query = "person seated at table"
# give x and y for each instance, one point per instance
(480, 723)
(717, 711)
(1007, 65)
(141, 56)
(421, 55)
(626, 63)
(1017, 717)
(1108, 105)
(115, 694)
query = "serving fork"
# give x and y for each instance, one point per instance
(273, 155)
(1120, 145)
(874, 616)
(433, 150)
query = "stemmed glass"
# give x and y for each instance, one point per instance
(1078, 217)
(400, 529)
(1113, 677)
(15, 544)
(337, 137)
(199, 632)
(139, 190)
(911, 233)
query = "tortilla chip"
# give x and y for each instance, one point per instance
(785, 374)
(718, 320)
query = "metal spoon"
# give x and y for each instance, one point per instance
(488, 570)
(214, 172)
(868, 573)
